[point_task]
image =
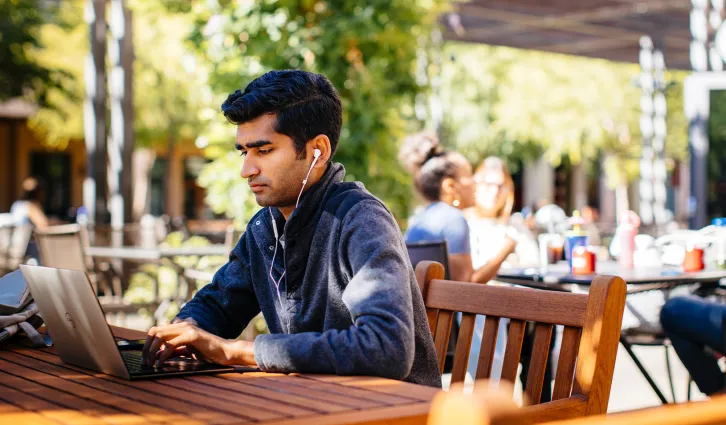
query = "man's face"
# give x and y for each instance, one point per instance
(271, 163)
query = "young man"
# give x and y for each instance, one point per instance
(323, 260)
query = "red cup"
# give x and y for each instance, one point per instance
(693, 261)
(583, 260)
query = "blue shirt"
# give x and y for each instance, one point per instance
(441, 222)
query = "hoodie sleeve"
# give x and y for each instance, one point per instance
(226, 305)
(381, 340)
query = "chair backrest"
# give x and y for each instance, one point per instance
(589, 344)
(6, 236)
(63, 247)
(429, 251)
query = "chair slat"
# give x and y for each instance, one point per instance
(515, 337)
(441, 338)
(432, 315)
(538, 365)
(541, 306)
(488, 347)
(463, 346)
(566, 363)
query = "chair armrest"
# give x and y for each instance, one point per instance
(566, 408)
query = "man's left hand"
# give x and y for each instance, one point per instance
(163, 342)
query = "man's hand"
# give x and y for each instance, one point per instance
(185, 337)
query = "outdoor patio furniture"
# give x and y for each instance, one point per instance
(589, 344)
(710, 412)
(436, 251)
(232, 236)
(37, 387)
(14, 242)
(166, 256)
(65, 247)
(556, 277)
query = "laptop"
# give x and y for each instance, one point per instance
(77, 325)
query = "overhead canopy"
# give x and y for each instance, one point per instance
(606, 29)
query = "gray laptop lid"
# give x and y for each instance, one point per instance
(74, 319)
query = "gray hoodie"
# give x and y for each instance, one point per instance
(349, 303)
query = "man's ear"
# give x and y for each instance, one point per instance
(321, 142)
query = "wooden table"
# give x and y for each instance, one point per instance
(132, 253)
(558, 274)
(37, 388)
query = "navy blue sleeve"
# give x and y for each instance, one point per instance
(456, 234)
(225, 306)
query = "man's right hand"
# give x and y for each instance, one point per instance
(146, 358)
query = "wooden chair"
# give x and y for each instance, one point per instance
(486, 406)
(14, 242)
(232, 236)
(437, 251)
(64, 247)
(589, 344)
(711, 412)
(491, 408)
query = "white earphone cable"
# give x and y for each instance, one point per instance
(277, 282)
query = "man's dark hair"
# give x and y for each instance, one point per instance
(306, 105)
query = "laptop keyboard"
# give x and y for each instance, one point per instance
(135, 365)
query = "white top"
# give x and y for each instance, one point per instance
(487, 238)
(20, 210)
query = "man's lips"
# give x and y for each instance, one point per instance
(255, 187)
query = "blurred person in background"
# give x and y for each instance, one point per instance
(591, 217)
(445, 180)
(494, 241)
(494, 237)
(29, 208)
(697, 331)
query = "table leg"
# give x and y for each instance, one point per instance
(644, 372)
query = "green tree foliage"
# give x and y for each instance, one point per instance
(367, 49)
(21, 73)
(169, 88)
(522, 104)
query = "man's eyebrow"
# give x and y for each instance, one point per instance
(250, 145)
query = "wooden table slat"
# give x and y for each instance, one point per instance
(315, 394)
(203, 401)
(36, 387)
(360, 393)
(270, 396)
(52, 412)
(81, 396)
(122, 387)
(380, 385)
(259, 408)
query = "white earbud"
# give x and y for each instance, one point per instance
(316, 155)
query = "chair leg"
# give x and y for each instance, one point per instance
(644, 372)
(670, 372)
(688, 390)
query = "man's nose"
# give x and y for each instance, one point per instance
(249, 168)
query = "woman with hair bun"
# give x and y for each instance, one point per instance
(445, 180)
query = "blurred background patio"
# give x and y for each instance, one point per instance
(113, 106)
